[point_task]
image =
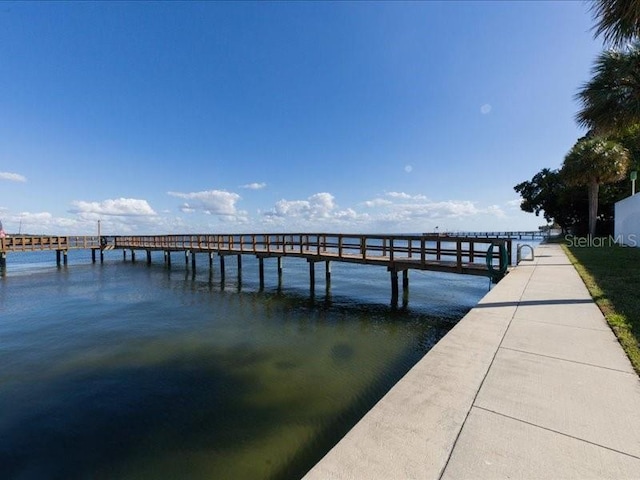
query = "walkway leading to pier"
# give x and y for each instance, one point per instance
(530, 384)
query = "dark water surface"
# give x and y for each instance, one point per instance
(129, 371)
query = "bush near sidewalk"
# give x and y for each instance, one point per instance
(612, 275)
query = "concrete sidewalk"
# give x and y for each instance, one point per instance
(531, 384)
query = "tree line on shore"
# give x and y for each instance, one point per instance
(580, 196)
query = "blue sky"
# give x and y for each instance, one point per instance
(287, 116)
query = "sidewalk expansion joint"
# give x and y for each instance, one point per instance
(484, 378)
(557, 432)
(632, 373)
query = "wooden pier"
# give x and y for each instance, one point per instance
(397, 253)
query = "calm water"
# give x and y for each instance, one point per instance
(130, 371)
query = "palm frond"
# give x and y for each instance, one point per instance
(610, 101)
(618, 21)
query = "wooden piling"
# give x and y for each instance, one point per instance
(148, 257)
(93, 255)
(239, 270)
(261, 272)
(58, 253)
(327, 276)
(279, 272)
(168, 257)
(405, 288)
(394, 287)
(193, 262)
(312, 277)
(65, 257)
(222, 271)
(133, 256)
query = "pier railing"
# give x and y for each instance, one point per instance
(31, 243)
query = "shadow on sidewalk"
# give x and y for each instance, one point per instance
(527, 303)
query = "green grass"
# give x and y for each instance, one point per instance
(612, 275)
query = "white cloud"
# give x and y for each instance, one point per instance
(186, 208)
(402, 212)
(408, 168)
(254, 186)
(398, 195)
(514, 203)
(213, 202)
(12, 177)
(40, 222)
(405, 196)
(485, 109)
(377, 202)
(496, 211)
(433, 210)
(319, 211)
(116, 207)
(319, 205)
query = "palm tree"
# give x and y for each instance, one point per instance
(592, 162)
(610, 101)
(618, 21)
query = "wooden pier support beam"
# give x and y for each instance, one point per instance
(239, 271)
(211, 255)
(101, 256)
(148, 257)
(167, 256)
(312, 278)
(124, 255)
(394, 287)
(261, 272)
(133, 256)
(405, 288)
(3, 262)
(193, 262)
(58, 253)
(327, 276)
(222, 271)
(279, 273)
(186, 259)
(93, 255)
(65, 257)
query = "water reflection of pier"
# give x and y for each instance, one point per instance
(398, 253)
